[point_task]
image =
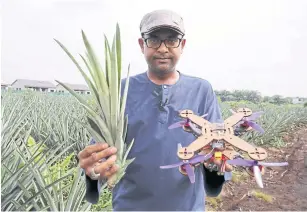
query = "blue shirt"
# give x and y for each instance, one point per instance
(151, 110)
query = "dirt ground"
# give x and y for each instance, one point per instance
(285, 188)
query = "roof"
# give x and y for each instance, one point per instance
(79, 87)
(34, 83)
(4, 83)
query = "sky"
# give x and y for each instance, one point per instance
(255, 45)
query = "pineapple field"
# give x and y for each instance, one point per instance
(42, 133)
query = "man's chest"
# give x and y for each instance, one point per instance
(162, 104)
(151, 112)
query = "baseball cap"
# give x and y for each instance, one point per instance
(158, 19)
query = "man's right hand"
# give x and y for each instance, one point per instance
(90, 158)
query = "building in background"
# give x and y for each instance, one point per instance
(34, 85)
(298, 100)
(5, 86)
(44, 86)
(78, 88)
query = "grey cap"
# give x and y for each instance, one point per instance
(162, 19)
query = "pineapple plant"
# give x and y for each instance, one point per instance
(106, 119)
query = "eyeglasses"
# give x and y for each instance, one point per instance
(156, 43)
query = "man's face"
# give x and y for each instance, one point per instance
(162, 59)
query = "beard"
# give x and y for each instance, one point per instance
(161, 66)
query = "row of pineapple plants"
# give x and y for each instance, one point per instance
(277, 121)
(40, 141)
(40, 174)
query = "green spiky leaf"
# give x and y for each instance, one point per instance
(106, 116)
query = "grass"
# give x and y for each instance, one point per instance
(212, 203)
(262, 196)
(239, 176)
(104, 203)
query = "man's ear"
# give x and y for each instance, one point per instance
(141, 43)
(183, 44)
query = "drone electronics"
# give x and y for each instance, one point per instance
(217, 141)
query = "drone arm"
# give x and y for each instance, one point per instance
(199, 143)
(239, 143)
(230, 154)
(234, 119)
(198, 120)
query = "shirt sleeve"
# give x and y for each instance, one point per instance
(213, 182)
(91, 194)
(93, 189)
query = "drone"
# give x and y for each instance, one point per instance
(217, 141)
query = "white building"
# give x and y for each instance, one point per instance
(35, 85)
(298, 100)
(78, 88)
(5, 86)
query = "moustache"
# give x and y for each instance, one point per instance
(162, 57)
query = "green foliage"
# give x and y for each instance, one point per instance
(39, 174)
(63, 165)
(263, 196)
(253, 97)
(40, 140)
(106, 120)
(238, 95)
(277, 120)
(219, 99)
(214, 202)
(33, 147)
(104, 203)
(237, 176)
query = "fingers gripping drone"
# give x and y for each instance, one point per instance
(217, 141)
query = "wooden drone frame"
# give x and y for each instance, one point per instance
(212, 132)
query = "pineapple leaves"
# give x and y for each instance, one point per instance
(106, 120)
(87, 79)
(101, 81)
(95, 117)
(119, 52)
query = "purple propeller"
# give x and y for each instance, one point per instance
(178, 124)
(255, 165)
(255, 126)
(243, 162)
(254, 116)
(250, 122)
(187, 165)
(190, 172)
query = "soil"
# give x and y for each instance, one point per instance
(285, 188)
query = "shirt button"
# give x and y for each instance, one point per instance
(164, 86)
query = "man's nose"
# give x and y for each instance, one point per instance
(162, 48)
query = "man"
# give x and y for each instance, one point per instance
(153, 102)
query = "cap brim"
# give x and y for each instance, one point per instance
(163, 27)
